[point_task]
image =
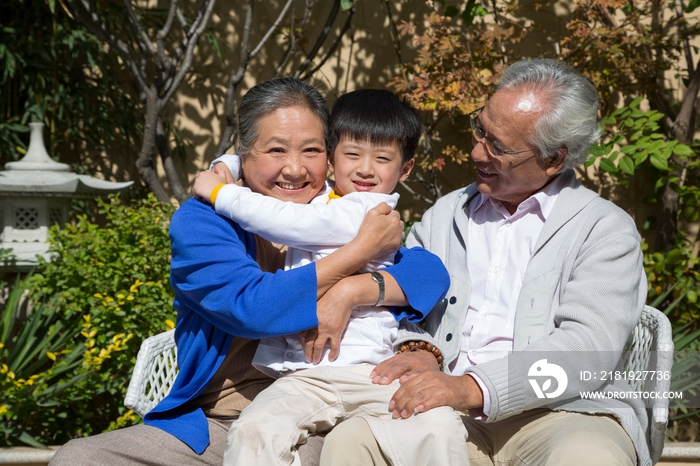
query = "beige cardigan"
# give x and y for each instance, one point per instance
(583, 291)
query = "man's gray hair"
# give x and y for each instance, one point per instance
(572, 117)
(273, 95)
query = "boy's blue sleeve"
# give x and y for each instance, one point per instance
(214, 275)
(424, 280)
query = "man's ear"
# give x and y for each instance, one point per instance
(556, 161)
(406, 169)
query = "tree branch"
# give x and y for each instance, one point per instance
(395, 40)
(169, 167)
(207, 9)
(293, 37)
(415, 194)
(139, 34)
(234, 80)
(320, 39)
(333, 46)
(97, 27)
(271, 29)
(163, 33)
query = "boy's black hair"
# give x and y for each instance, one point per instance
(377, 116)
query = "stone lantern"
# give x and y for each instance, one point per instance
(34, 194)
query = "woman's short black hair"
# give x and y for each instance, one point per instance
(377, 116)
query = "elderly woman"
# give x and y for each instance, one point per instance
(227, 298)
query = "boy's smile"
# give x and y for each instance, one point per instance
(360, 166)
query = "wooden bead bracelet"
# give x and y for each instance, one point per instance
(414, 345)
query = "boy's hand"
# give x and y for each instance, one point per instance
(205, 183)
(222, 169)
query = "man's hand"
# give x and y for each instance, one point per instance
(222, 170)
(381, 231)
(333, 311)
(404, 365)
(432, 389)
(205, 183)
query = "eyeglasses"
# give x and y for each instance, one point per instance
(491, 146)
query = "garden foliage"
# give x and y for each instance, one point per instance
(54, 71)
(106, 289)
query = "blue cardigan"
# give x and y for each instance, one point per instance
(221, 293)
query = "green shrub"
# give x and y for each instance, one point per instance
(109, 289)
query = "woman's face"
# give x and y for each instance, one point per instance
(288, 159)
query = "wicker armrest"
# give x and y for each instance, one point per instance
(154, 373)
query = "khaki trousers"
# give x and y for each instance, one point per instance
(317, 399)
(146, 445)
(534, 438)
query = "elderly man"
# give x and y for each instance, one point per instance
(547, 281)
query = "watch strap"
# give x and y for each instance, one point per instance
(377, 277)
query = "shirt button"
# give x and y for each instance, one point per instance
(482, 313)
(472, 353)
(453, 300)
(289, 355)
(448, 337)
(495, 269)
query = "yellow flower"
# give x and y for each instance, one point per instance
(2, 345)
(51, 355)
(3, 409)
(135, 287)
(98, 295)
(170, 324)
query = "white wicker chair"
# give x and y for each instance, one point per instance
(650, 348)
(154, 373)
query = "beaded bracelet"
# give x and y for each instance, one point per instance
(414, 345)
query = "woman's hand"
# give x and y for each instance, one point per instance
(381, 232)
(333, 311)
(205, 183)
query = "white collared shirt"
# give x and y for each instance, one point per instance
(499, 247)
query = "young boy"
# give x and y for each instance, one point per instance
(373, 138)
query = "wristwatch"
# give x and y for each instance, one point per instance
(377, 277)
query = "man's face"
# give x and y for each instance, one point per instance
(507, 119)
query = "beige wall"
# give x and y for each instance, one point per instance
(366, 58)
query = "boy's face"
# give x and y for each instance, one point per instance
(360, 166)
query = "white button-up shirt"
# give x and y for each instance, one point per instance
(499, 248)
